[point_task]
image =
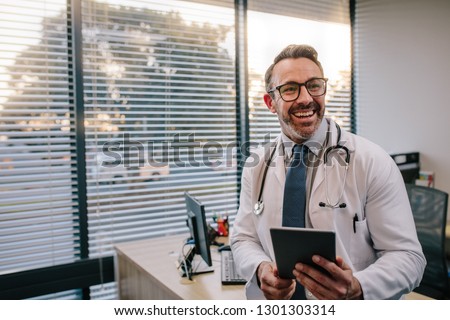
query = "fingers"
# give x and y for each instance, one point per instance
(341, 263)
(272, 286)
(320, 284)
(333, 284)
(278, 292)
(336, 282)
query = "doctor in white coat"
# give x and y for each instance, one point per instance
(378, 253)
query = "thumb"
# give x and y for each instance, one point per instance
(275, 271)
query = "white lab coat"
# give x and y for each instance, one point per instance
(384, 252)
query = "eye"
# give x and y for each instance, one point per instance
(314, 85)
(289, 89)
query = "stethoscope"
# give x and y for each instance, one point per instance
(259, 205)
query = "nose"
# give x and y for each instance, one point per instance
(304, 97)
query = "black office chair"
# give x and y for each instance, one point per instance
(429, 207)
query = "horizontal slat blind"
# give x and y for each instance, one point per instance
(38, 195)
(159, 84)
(318, 23)
(318, 10)
(160, 119)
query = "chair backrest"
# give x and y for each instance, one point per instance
(429, 207)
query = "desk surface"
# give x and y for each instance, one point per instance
(148, 270)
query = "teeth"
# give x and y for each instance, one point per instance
(304, 114)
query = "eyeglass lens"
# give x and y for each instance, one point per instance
(291, 91)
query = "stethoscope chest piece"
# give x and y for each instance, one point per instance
(258, 208)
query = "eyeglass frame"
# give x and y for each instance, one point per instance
(300, 88)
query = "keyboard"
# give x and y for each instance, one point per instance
(228, 269)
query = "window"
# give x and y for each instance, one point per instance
(159, 84)
(326, 26)
(159, 97)
(38, 211)
(111, 109)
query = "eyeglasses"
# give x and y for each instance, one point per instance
(290, 91)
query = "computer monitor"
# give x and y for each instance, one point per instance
(196, 221)
(409, 165)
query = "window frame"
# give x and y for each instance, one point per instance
(86, 272)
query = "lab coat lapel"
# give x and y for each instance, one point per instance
(259, 171)
(318, 179)
(278, 162)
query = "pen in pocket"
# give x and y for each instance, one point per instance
(355, 219)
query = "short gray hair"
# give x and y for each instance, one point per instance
(292, 51)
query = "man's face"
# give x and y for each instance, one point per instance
(299, 119)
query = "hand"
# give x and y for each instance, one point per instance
(338, 284)
(274, 287)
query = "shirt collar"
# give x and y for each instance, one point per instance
(314, 144)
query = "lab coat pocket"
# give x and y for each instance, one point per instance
(362, 253)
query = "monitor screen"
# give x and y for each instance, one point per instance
(198, 227)
(409, 165)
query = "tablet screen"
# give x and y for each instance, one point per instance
(292, 245)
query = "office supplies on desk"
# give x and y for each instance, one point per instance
(228, 269)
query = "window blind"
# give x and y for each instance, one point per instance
(320, 10)
(323, 24)
(158, 76)
(160, 116)
(38, 189)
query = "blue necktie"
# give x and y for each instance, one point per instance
(294, 202)
(295, 190)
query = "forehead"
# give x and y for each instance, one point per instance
(298, 69)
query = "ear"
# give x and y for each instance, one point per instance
(270, 103)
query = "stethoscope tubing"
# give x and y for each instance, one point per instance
(259, 205)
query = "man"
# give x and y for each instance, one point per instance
(378, 253)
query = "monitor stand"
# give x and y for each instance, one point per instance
(192, 264)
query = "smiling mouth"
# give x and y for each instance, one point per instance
(303, 114)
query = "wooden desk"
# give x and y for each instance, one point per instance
(147, 270)
(416, 296)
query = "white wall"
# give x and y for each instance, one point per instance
(403, 79)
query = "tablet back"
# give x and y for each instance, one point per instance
(292, 245)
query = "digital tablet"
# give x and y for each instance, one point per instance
(292, 245)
